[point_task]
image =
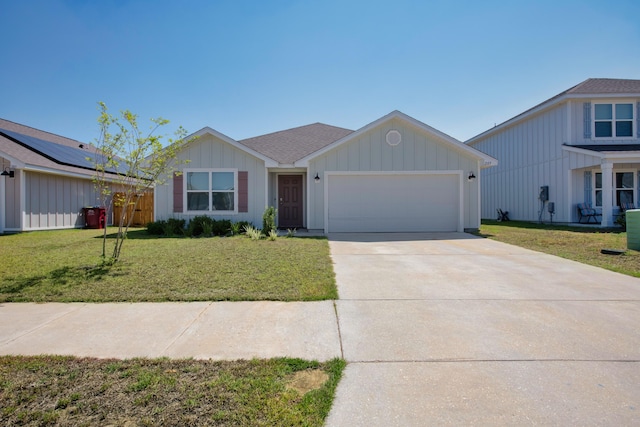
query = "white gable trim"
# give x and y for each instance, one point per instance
(486, 160)
(209, 131)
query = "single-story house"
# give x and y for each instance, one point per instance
(46, 179)
(579, 147)
(396, 174)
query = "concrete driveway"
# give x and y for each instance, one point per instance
(458, 330)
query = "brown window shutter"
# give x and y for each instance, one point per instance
(243, 191)
(177, 193)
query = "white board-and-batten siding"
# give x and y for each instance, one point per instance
(210, 152)
(417, 152)
(530, 155)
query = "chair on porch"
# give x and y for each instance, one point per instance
(586, 211)
(502, 215)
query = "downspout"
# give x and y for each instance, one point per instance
(23, 198)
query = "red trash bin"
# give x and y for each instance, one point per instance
(95, 217)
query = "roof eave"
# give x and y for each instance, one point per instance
(606, 156)
(15, 162)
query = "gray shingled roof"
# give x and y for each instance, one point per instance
(288, 146)
(599, 86)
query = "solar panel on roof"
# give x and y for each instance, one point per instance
(61, 154)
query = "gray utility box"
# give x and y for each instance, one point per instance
(633, 229)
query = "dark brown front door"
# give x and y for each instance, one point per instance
(290, 201)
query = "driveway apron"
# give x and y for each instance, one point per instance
(452, 329)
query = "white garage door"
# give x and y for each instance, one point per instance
(393, 203)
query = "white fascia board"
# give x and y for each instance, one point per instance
(207, 130)
(582, 151)
(486, 159)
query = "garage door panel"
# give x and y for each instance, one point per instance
(393, 203)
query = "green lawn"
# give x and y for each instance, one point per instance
(582, 244)
(64, 266)
(52, 390)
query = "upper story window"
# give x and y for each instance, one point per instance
(613, 120)
(211, 190)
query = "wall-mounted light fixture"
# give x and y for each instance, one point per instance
(472, 176)
(7, 172)
(317, 178)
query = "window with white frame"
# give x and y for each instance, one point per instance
(623, 188)
(613, 120)
(211, 190)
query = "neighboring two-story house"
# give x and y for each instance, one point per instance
(581, 146)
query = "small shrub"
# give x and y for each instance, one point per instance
(234, 228)
(269, 220)
(273, 235)
(197, 225)
(243, 224)
(174, 227)
(291, 232)
(207, 229)
(220, 227)
(156, 228)
(253, 233)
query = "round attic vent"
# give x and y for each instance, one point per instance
(393, 138)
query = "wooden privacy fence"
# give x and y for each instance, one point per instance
(143, 213)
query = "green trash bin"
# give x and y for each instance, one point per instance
(633, 229)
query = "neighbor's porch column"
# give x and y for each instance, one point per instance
(607, 194)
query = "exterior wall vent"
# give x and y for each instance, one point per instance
(394, 138)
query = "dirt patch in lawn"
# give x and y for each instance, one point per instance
(305, 381)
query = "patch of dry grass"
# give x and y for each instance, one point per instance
(53, 390)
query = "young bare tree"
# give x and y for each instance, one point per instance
(129, 162)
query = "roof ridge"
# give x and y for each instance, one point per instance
(294, 128)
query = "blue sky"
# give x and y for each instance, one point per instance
(246, 68)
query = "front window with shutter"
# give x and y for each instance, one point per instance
(211, 190)
(613, 120)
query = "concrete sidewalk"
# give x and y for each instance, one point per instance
(205, 330)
